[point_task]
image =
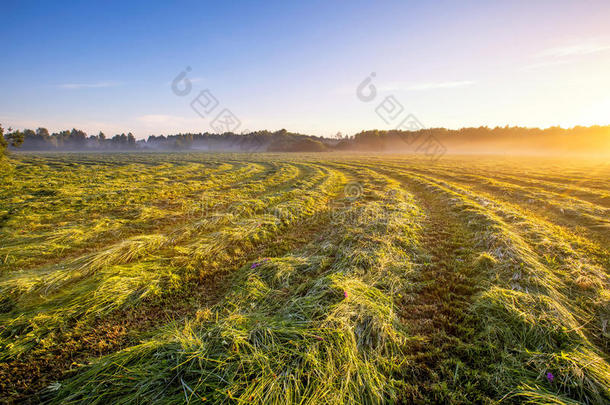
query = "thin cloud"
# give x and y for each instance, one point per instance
(581, 49)
(548, 63)
(98, 85)
(566, 54)
(426, 85)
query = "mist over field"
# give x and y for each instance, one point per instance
(593, 141)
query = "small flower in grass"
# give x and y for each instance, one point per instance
(550, 377)
(256, 264)
(345, 294)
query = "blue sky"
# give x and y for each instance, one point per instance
(296, 65)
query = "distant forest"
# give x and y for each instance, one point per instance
(594, 139)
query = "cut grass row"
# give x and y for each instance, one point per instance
(545, 305)
(316, 325)
(128, 272)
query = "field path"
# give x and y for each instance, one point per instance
(435, 311)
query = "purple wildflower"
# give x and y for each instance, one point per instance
(256, 264)
(345, 294)
(550, 377)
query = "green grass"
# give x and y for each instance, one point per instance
(277, 278)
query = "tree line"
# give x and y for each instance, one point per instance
(583, 139)
(78, 140)
(579, 139)
(75, 139)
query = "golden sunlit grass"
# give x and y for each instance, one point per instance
(456, 281)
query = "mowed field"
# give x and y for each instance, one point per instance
(288, 278)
